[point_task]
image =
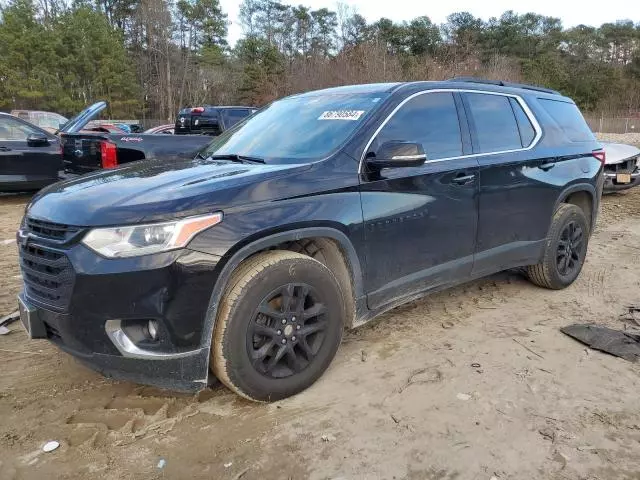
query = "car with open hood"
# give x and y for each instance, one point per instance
(622, 169)
(85, 151)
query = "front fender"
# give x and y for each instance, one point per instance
(233, 260)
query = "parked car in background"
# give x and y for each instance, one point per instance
(621, 170)
(124, 127)
(85, 150)
(319, 212)
(30, 156)
(209, 120)
(49, 121)
(103, 127)
(161, 130)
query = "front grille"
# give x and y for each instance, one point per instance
(48, 275)
(628, 166)
(50, 230)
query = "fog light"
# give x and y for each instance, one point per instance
(152, 326)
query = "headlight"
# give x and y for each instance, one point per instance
(135, 240)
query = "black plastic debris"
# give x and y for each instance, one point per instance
(621, 344)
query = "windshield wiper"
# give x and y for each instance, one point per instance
(234, 157)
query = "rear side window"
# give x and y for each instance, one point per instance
(527, 133)
(569, 118)
(233, 116)
(495, 122)
(430, 119)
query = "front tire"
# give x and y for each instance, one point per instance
(278, 327)
(565, 249)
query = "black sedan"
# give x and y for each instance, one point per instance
(30, 157)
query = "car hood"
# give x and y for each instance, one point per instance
(619, 152)
(156, 190)
(78, 122)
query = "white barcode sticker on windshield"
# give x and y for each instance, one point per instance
(352, 115)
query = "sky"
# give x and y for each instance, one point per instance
(570, 12)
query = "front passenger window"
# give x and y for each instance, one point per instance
(430, 119)
(12, 130)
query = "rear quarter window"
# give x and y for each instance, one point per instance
(527, 133)
(569, 119)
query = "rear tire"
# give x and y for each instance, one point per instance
(565, 249)
(278, 326)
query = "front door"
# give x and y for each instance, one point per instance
(420, 222)
(24, 165)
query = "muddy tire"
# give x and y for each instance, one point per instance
(278, 326)
(565, 249)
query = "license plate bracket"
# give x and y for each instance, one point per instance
(623, 178)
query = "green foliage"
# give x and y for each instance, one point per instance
(151, 57)
(65, 64)
(262, 64)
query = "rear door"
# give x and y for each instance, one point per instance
(420, 222)
(22, 163)
(513, 213)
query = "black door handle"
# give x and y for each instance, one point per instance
(547, 166)
(463, 179)
(4, 149)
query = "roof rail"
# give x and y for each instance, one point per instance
(504, 84)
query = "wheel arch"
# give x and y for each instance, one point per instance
(272, 241)
(577, 195)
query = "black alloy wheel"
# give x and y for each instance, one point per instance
(570, 246)
(287, 330)
(564, 250)
(278, 325)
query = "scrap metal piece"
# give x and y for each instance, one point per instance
(12, 317)
(615, 342)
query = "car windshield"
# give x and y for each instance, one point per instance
(297, 128)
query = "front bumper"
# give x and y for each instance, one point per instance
(187, 372)
(612, 185)
(617, 174)
(172, 288)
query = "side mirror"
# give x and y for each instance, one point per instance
(37, 140)
(397, 154)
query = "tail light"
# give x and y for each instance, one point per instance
(197, 110)
(600, 155)
(108, 154)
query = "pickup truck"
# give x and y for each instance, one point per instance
(86, 151)
(210, 120)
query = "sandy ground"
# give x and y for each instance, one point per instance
(472, 383)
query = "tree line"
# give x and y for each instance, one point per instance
(148, 58)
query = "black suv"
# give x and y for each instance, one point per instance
(317, 213)
(209, 120)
